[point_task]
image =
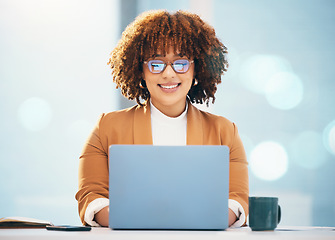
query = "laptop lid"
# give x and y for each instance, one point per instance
(168, 187)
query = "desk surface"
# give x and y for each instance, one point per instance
(285, 233)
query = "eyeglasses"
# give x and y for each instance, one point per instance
(179, 66)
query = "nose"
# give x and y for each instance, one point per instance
(168, 72)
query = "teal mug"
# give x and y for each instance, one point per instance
(264, 213)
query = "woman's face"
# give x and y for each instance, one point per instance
(168, 89)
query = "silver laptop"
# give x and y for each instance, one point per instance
(168, 187)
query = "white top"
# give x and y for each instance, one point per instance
(165, 131)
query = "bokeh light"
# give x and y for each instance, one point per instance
(35, 114)
(329, 137)
(308, 150)
(284, 90)
(269, 161)
(257, 70)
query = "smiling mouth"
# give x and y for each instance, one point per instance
(169, 86)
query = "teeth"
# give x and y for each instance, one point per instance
(169, 87)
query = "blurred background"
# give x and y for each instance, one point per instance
(279, 90)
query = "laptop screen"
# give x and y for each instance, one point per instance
(168, 187)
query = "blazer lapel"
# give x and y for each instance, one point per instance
(142, 125)
(194, 126)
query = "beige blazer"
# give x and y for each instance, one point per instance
(133, 126)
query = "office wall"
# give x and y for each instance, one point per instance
(54, 84)
(279, 90)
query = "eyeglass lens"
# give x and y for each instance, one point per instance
(158, 66)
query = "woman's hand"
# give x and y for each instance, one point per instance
(231, 217)
(102, 217)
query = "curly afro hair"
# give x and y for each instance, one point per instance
(157, 30)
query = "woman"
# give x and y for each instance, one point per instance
(165, 61)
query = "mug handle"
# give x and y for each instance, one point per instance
(279, 214)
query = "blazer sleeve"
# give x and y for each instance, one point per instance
(93, 171)
(238, 172)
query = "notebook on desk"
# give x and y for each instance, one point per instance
(168, 187)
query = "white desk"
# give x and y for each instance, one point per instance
(230, 234)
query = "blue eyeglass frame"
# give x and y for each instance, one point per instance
(166, 63)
